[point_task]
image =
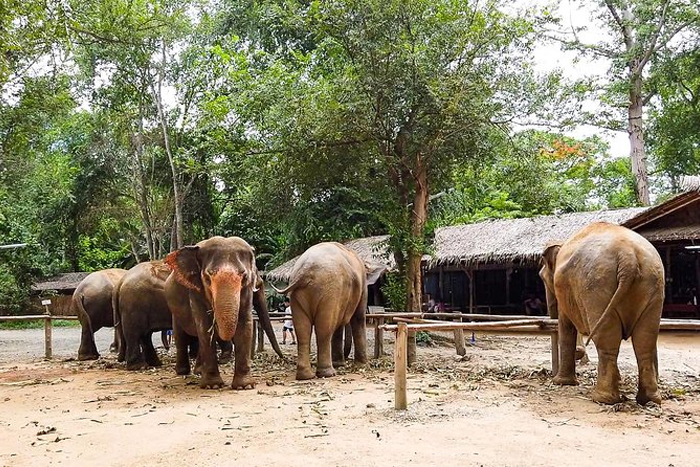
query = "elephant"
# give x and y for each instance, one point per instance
(140, 309)
(92, 304)
(607, 282)
(211, 293)
(328, 290)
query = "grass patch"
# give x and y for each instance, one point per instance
(38, 324)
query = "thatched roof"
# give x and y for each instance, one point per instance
(66, 282)
(519, 240)
(690, 183)
(372, 250)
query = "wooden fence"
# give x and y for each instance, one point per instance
(47, 327)
(501, 324)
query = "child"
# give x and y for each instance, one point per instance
(288, 324)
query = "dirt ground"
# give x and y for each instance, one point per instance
(494, 407)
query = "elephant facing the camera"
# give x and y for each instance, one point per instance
(607, 282)
(328, 290)
(211, 293)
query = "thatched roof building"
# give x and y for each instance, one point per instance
(64, 283)
(372, 250)
(507, 241)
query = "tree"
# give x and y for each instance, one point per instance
(640, 32)
(675, 114)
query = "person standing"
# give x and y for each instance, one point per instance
(288, 325)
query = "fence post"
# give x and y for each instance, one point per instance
(378, 337)
(47, 336)
(252, 338)
(261, 338)
(555, 352)
(459, 340)
(400, 365)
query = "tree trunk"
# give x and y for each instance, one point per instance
(419, 217)
(178, 230)
(140, 187)
(636, 133)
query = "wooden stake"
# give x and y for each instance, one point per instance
(378, 337)
(459, 341)
(400, 365)
(47, 336)
(555, 353)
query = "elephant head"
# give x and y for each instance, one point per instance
(549, 264)
(222, 271)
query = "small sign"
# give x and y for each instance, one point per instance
(46, 302)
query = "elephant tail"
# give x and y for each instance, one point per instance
(118, 328)
(627, 273)
(81, 312)
(289, 288)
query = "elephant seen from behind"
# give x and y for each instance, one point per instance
(607, 282)
(328, 290)
(92, 304)
(141, 309)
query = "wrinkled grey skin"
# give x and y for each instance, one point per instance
(141, 309)
(607, 282)
(92, 304)
(211, 293)
(328, 290)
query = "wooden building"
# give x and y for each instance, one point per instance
(59, 289)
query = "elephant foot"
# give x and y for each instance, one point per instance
(325, 372)
(581, 354)
(603, 397)
(565, 380)
(85, 357)
(211, 382)
(225, 358)
(135, 366)
(243, 382)
(338, 363)
(361, 359)
(155, 362)
(113, 347)
(305, 373)
(182, 370)
(643, 398)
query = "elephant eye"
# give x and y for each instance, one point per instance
(207, 277)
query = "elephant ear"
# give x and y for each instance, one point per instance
(185, 265)
(549, 257)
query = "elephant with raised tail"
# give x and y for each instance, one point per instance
(328, 290)
(92, 304)
(211, 292)
(607, 282)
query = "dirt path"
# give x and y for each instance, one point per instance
(495, 407)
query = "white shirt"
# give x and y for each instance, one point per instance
(288, 323)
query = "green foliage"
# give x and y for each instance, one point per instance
(38, 324)
(394, 290)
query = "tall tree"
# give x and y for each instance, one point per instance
(639, 32)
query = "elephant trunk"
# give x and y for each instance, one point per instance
(226, 296)
(552, 308)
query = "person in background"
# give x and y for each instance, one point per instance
(533, 305)
(288, 325)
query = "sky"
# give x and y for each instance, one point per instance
(550, 56)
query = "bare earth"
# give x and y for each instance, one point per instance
(495, 407)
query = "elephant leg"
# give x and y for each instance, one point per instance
(226, 354)
(337, 347)
(211, 378)
(359, 333)
(182, 359)
(644, 343)
(149, 353)
(302, 327)
(581, 354)
(567, 352)
(324, 365)
(607, 387)
(347, 343)
(134, 355)
(87, 349)
(116, 342)
(243, 340)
